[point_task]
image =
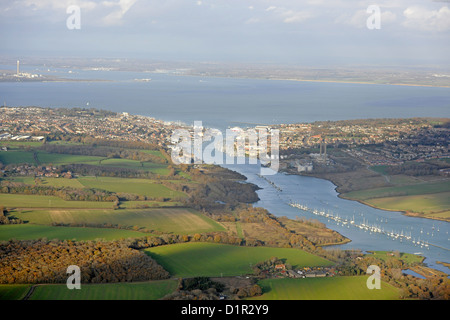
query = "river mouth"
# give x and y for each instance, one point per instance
(368, 228)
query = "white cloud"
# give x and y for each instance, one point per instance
(358, 20)
(121, 8)
(388, 17)
(289, 15)
(420, 18)
(295, 16)
(106, 12)
(59, 4)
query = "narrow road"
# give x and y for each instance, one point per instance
(30, 292)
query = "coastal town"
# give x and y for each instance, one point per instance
(375, 142)
(302, 146)
(33, 124)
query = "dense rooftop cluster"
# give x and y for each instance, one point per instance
(376, 142)
(32, 122)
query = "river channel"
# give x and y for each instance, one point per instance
(367, 228)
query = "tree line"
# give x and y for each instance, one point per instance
(41, 261)
(76, 194)
(139, 145)
(6, 218)
(204, 288)
(217, 194)
(82, 169)
(65, 193)
(413, 169)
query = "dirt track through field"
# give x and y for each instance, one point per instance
(29, 293)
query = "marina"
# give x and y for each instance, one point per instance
(364, 225)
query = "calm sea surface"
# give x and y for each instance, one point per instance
(226, 102)
(223, 102)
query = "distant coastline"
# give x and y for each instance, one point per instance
(363, 82)
(383, 75)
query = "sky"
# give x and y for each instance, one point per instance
(309, 33)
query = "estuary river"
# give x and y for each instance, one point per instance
(372, 229)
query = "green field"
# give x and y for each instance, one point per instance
(144, 187)
(405, 190)
(153, 152)
(438, 203)
(31, 232)
(10, 157)
(13, 291)
(17, 156)
(46, 181)
(400, 179)
(431, 199)
(380, 169)
(408, 258)
(114, 291)
(36, 201)
(171, 220)
(21, 179)
(149, 204)
(20, 156)
(156, 168)
(328, 288)
(211, 259)
(60, 158)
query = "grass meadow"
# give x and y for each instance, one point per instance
(327, 288)
(431, 198)
(212, 259)
(408, 258)
(31, 232)
(170, 220)
(38, 201)
(404, 190)
(61, 158)
(13, 291)
(144, 187)
(156, 168)
(436, 204)
(15, 156)
(152, 290)
(18, 156)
